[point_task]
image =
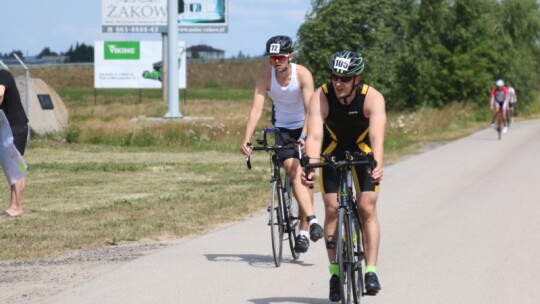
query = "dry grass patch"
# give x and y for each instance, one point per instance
(79, 198)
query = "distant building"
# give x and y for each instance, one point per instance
(204, 52)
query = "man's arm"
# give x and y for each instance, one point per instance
(305, 80)
(2, 93)
(491, 98)
(506, 98)
(259, 95)
(374, 109)
(318, 107)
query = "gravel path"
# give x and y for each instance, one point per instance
(30, 281)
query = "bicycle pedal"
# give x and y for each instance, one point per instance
(371, 293)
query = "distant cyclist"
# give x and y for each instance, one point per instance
(290, 86)
(498, 101)
(512, 98)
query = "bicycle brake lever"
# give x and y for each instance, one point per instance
(248, 158)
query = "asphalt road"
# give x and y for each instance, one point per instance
(460, 224)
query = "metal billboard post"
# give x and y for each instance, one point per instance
(172, 64)
(27, 78)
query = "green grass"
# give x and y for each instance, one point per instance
(213, 92)
(109, 179)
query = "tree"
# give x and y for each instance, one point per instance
(476, 43)
(521, 22)
(81, 53)
(46, 52)
(376, 29)
(18, 52)
(428, 52)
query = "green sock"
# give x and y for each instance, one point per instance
(371, 268)
(334, 269)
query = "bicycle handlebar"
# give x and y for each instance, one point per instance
(292, 144)
(330, 161)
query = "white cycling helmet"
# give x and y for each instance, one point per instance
(500, 83)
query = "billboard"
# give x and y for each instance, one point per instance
(133, 16)
(203, 16)
(133, 64)
(150, 16)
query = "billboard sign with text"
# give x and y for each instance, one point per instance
(150, 16)
(133, 64)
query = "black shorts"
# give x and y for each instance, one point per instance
(361, 178)
(283, 138)
(20, 136)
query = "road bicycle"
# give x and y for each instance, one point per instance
(283, 212)
(509, 115)
(499, 123)
(349, 242)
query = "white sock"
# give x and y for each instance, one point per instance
(304, 233)
(313, 221)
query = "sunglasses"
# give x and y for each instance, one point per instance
(342, 78)
(277, 58)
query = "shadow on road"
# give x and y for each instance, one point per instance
(256, 260)
(298, 300)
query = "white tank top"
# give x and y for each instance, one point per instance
(288, 102)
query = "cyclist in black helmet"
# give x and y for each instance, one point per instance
(289, 86)
(346, 114)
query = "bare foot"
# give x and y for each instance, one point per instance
(10, 213)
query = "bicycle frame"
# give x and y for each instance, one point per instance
(349, 252)
(283, 210)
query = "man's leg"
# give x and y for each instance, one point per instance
(330, 222)
(309, 228)
(367, 204)
(17, 191)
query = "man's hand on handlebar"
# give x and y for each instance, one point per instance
(246, 149)
(376, 174)
(307, 178)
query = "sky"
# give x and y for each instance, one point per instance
(32, 25)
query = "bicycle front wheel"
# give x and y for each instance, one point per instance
(344, 256)
(292, 218)
(499, 125)
(276, 223)
(357, 273)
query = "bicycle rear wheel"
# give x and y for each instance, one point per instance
(276, 223)
(291, 215)
(344, 256)
(508, 117)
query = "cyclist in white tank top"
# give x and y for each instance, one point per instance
(290, 87)
(287, 101)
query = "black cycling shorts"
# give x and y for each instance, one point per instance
(329, 179)
(282, 138)
(20, 136)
